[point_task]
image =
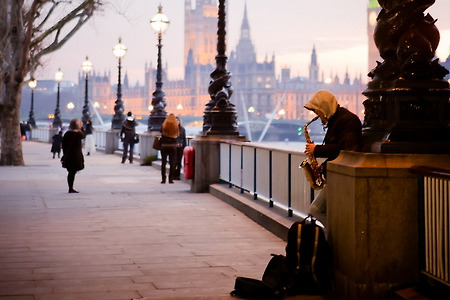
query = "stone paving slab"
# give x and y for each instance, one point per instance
(124, 236)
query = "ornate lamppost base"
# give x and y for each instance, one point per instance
(220, 123)
(155, 122)
(407, 116)
(116, 123)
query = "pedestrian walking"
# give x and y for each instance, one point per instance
(27, 131)
(23, 131)
(89, 144)
(344, 132)
(57, 143)
(73, 159)
(181, 144)
(169, 135)
(127, 134)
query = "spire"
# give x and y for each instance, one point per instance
(245, 27)
(190, 58)
(347, 78)
(245, 51)
(126, 83)
(314, 56)
(313, 66)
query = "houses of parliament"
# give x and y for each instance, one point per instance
(257, 90)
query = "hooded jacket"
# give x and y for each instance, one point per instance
(344, 128)
(324, 104)
(128, 129)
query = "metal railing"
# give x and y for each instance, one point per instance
(267, 173)
(434, 223)
(43, 135)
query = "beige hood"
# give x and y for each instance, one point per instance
(324, 102)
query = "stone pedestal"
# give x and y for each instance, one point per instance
(112, 140)
(207, 160)
(146, 140)
(373, 221)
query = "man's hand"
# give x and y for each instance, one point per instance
(309, 149)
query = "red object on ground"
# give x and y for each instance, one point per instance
(188, 162)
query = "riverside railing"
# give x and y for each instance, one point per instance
(41, 134)
(434, 224)
(268, 173)
(45, 135)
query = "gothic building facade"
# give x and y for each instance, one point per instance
(258, 93)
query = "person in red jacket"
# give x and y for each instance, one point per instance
(344, 131)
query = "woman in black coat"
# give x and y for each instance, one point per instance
(73, 159)
(56, 144)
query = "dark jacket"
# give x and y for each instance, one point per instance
(88, 128)
(72, 150)
(128, 130)
(56, 144)
(168, 142)
(181, 140)
(343, 133)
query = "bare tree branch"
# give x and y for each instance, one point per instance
(87, 7)
(47, 16)
(23, 41)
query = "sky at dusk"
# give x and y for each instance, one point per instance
(286, 28)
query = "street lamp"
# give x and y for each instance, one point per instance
(119, 51)
(159, 24)
(220, 115)
(32, 84)
(87, 67)
(57, 123)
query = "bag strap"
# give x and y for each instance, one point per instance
(299, 241)
(313, 259)
(311, 218)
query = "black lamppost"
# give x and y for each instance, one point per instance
(119, 51)
(57, 123)
(87, 67)
(31, 120)
(220, 114)
(159, 24)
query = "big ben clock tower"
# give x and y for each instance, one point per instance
(372, 12)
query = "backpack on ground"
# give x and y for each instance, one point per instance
(305, 270)
(308, 259)
(273, 283)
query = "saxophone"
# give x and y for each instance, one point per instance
(313, 170)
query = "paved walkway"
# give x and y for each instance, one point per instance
(124, 236)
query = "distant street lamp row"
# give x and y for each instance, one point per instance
(159, 24)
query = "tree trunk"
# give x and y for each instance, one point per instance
(11, 146)
(13, 73)
(25, 38)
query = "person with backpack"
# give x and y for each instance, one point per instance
(344, 131)
(127, 133)
(169, 136)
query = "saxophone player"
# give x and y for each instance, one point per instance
(343, 132)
